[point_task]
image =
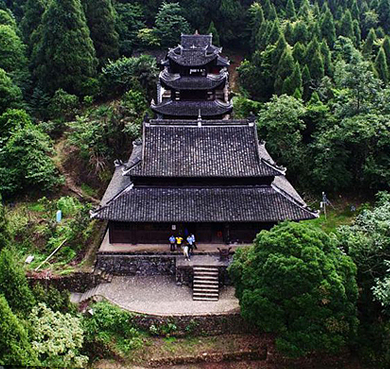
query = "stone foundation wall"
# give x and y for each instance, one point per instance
(137, 264)
(202, 325)
(76, 282)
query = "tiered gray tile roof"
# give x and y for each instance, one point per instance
(178, 82)
(203, 204)
(192, 108)
(206, 151)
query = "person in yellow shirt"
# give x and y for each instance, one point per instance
(179, 241)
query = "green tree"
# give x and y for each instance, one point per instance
(306, 80)
(357, 32)
(328, 28)
(301, 33)
(346, 25)
(275, 33)
(285, 69)
(25, 162)
(381, 66)
(296, 282)
(57, 338)
(101, 19)
(368, 44)
(33, 11)
(327, 57)
(293, 84)
(383, 11)
(256, 15)
(304, 10)
(12, 54)
(386, 49)
(7, 19)
(13, 283)
(11, 121)
(10, 94)
(299, 53)
(4, 227)
(281, 125)
(290, 10)
(15, 348)
(170, 24)
(212, 30)
(64, 56)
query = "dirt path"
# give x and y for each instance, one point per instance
(69, 181)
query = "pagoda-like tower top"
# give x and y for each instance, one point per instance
(194, 51)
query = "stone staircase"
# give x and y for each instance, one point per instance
(206, 283)
(104, 276)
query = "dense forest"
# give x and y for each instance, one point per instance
(76, 80)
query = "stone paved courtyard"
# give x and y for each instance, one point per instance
(160, 295)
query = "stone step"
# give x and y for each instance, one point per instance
(205, 285)
(208, 277)
(206, 290)
(205, 268)
(195, 298)
(211, 273)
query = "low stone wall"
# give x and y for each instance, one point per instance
(199, 325)
(75, 282)
(137, 264)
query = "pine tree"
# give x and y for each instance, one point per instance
(300, 32)
(381, 66)
(386, 49)
(316, 67)
(290, 10)
(289, 33)
(13, 283)
(274, 34)
(383, 11)
(15, 348)
(369, 43)
(306, 82)
(267, 7)
(212, 30)
(304, 10)
(299, 53)
(280, 47)
(285, 69)
(273, 15)
(355, 10)
(312, 47)
(293, 84)
(170, 24)
(357, 33)
(262, 35)
(328, 28)
(101, 19)
(33, 12)
(256, 22)
(64, 56)
(326, 54)
(346, 25)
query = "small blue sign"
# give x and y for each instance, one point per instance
(59, 216)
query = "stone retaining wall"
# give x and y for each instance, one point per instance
(75, 282)
(137, 264)
(199, 325)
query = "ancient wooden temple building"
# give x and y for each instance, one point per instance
(196, 169)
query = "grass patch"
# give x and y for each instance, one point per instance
(87, 190)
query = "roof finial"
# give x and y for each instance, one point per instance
(199, 119)
(196, 32)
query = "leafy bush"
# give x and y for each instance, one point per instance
(57, 338)
(63, 105)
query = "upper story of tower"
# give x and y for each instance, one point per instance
(194, 81)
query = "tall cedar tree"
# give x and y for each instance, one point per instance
(346, 25)
(325, 51)
(299, 52)
(293, 84)
(383, 12)
(275, 33)
(284, 70)
(7, 19)
(306, 81)
(215, 34)
(386, 49)
(13, 283)
(256, 21)
(357, 33)
(381, 66)
(101, 19)
(33, 12)
(304, 10)
(289, 33)
(369, 43)
(355, 10)
(328, 28)
(64, 56)
(15, 348)
(301, 33)
(290, 10)
(170, 24)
